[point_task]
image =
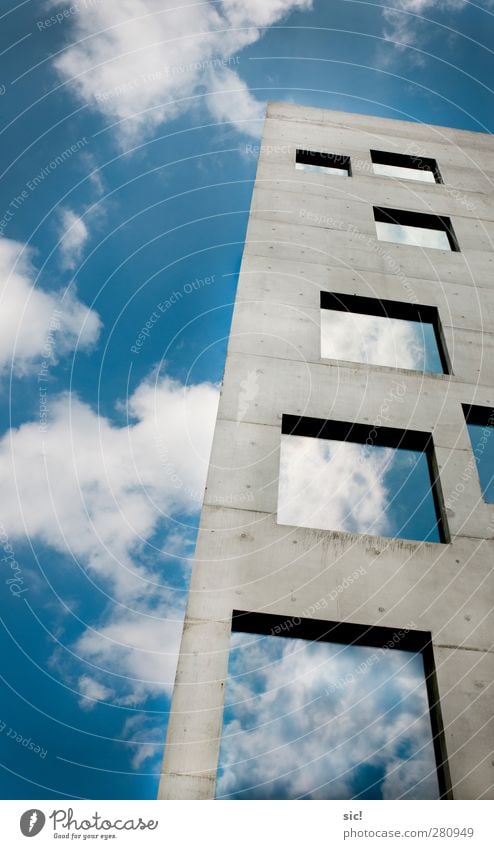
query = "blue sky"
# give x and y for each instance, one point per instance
(127, 167)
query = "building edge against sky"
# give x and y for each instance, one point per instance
(347, 233)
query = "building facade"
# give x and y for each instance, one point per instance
(364, 318)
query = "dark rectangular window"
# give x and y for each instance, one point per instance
(415, 228)
(323, 163)
(328, 710)
(360, 479)
(405, 167)
(382, 332)
(480, 424)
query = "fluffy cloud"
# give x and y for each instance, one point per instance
(142, 648)
(74, 236)
(333, 485)
(84, 486)
(147, 739)
(324, 721)
(402, 20)
(372, 339)
(142, 62)
(37, 325)
(229, 96)
(92, 692)
(97, 491)
(87, 488)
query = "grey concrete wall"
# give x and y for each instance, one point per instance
(307, 233)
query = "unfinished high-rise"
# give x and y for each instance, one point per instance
(349, 499)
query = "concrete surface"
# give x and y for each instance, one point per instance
(309, 232)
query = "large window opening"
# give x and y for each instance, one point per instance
(480, 424)
(323, 163)
(405, 167)
(325, 710)
(382, 332)
(415, 228)
(360, 479)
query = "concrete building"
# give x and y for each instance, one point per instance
(321, 240)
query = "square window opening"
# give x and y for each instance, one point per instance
(405, 167)
(383, 333)
(480, 425)
(323, 163)
(419, 229)
(330, 710)
(360, 479)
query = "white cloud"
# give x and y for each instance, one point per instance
(302, 719)
(73, 237)
(372, 339)
(147, 737)
(141, 647)
(403, 24)
(92, 692)
(94, 173)
(98, 491)
(333, 485)
(423, 237)
(231, 100)
(259, 13)
(142, 62)
(36, 325)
